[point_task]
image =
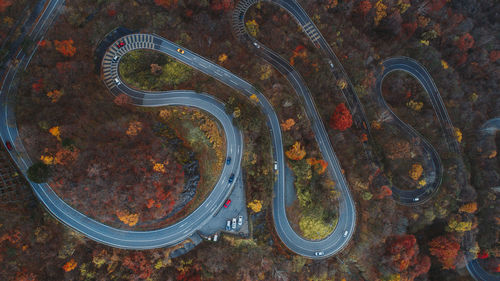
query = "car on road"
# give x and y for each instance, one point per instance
(256, 45)
(228, 225)
(120, 44)
(233, 226)
(240, 220)
(228, 202)
(345, 233)
(8, 144)
(318, 254)
(231, 178)
(117, 81)
(115, 58)
(331, 64)
(416, 199)
(228, 161)
(180, 51)
(275, 165)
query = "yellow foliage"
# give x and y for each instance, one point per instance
(296, 152)
(444, 64)
(266, 71)
(70, 265)
(459, 226)
(288, 124)
(468, 208)
(416, 171)
(331, 4)
(314, 228)
(422, 183)
(254, 98)
(134, 128)
(255, 205)
(127, 218)
(159, 167)
(380, 11)
(376, 125)
(342, 84)
(47, 160)
(55, 132)
(252, 27)
(165, 114)
(458, 135)
(55, 95)
(415, 105)
(425, 42)
(222, 58)
(403, 6)
(473, 97)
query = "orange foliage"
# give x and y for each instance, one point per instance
(55, 95)
(224, 5)
(167, 3)
(38, 85)
(288, 124)
(341, 118)
(296, 152)
(469, 208)
(364, 138)
(64, 156)
(4, 4)
(122, 99)
(319, 164)
(65, 47)
(70, 265)
(139, 264)
(445, 248)
(127, 218)
(299, 52)
(384, 192)
(402, 249)
(134, 128)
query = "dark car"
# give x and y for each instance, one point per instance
(228, 202)
(231, 178)
(228, 160)
(8, 145)
(120, 44)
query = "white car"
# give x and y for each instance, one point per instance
(115, 58)
(416, 199)
(276, 165)
(216, 236)
(345, 233)
(117, 81)
(234, 223)
(331, 64)
(256, 45)
(228, 225)
(240, 220)
(318, 254)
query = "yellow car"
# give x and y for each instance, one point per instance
(180, 51)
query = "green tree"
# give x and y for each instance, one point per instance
(39, 172)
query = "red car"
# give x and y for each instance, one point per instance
(8, 145)
(120, 44)
(227, 203)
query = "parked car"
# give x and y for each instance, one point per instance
(115, 58)
(319, 253)
(234, 223)
(120, 44)
(228, 160)
(216, 236)
(180, 51)
(231, 178)
(228, 225)
(228, 202)
(117, 81)
(8, 145)
(240, 220)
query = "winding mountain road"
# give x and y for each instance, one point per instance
(178, 232)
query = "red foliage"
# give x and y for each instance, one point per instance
(445, 248)
(422, 265)
(38, 85)
(465, 42)
(122, 99)
(494, 55)
(402, 250)
(225, 5)
(437, 5)
(63, 67)
(111, 12)
(341, 118)
(385, 191)
(4, 4)
(65, 47)
(42, 43)
(138, 263)
(409, 28)
(364, 7)
(189, 13)
(483, 255)
(167, 3)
